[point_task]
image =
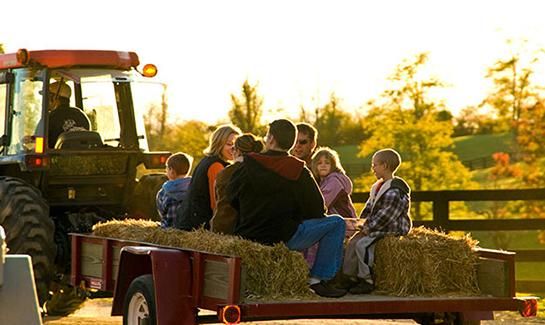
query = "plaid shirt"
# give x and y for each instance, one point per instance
(389, 215)
(169, 199)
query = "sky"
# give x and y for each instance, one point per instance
(298, 52)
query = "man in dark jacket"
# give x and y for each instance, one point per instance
(278, 200)
(63, 117)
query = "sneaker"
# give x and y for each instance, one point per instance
(362, 287)
(346, 283)
(324, 289)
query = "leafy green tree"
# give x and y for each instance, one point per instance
(531, 145)
(514, 89)
(406, 119)
(155, 121)
(247, 109)
(471, 121)
(519, 101)
(502, 170)
(190, 137)
(2, 48)
(335, 125)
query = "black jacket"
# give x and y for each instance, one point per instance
(195, 209)
(273, 193)
(64, 119)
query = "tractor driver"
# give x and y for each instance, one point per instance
(62, 117)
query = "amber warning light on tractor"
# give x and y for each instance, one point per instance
(22, 56)
(39, 147)
(150, 70)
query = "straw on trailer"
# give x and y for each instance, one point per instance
(426, 263)
(273, 272)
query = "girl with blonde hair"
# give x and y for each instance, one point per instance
(198, 208)
(335, 186)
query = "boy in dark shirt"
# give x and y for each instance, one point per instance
(173, 191)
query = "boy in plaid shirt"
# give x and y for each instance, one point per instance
(386, 213)
(173, 191)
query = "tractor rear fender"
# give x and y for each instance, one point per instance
(171, 272)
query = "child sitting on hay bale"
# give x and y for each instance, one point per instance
(386, 213)
(172, 193)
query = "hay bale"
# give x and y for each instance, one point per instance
(426, 263)
(272, 272)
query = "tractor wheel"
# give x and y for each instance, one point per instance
(24, 214)
(142, 203)
(139, 304)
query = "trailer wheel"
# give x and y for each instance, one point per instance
(139, 304)
(24, 214)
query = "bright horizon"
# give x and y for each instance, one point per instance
(299, 52)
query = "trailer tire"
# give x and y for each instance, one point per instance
(139, 304)
(24, 214)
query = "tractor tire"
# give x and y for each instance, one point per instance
(142, 204)
(139, 303)
(24, 214)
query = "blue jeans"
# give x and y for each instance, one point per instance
(329, 233)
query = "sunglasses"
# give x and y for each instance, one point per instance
(302, 142)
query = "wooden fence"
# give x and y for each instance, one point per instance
(441, 219)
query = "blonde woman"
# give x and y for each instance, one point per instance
(200, 203)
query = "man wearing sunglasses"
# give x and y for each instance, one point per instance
(306, 142)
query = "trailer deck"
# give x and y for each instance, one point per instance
(216, 282)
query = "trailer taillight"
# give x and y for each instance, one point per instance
(529, 308)
(33, 162)
(230, 314)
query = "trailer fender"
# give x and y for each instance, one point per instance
(171, 272)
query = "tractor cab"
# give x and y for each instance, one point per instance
(103, 88)
(61, 175)
(104, 85)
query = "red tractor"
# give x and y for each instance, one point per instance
(53, 184)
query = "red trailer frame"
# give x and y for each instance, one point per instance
(180, 280)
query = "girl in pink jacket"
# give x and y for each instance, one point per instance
(336, 189)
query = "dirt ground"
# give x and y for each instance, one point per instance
(97, 312)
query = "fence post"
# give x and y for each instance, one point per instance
(441, 212)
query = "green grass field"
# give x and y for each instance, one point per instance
(466, 148)
(478, 146)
